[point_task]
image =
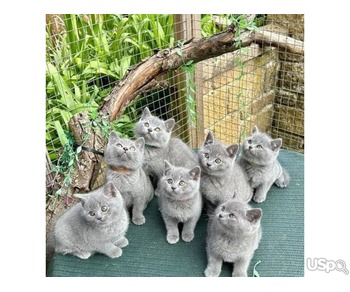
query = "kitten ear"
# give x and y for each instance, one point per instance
(195, 173)
(254, 215)
(82, 198)
(232, 150)
(109, 190)
(146, 113)
(209, 139)
(255, 130)
(169, 124)
(276, 144)
(140, 143)
(167, 167)
(113, 137)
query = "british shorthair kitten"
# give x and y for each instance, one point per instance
(159, 145)
(222, 178)
(234, 234)
(259, 160)
(180, 201)
(97, 224)
(124, 160)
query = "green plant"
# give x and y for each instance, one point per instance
(255, 272)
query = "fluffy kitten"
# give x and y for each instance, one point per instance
(259, 160)
(124, 158)
(222, 178)
(180, 201)
(97, 224)
(234, 233)
(160, 146)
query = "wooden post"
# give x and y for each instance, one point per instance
(186, 27)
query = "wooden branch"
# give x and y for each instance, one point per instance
(170, 60)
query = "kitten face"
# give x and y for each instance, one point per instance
(259, 148)
(124, 153)
(155, 131)
(237, 216)
(100, 206)
(180, 183)
(215, 157)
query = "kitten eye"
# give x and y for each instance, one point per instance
(91, 213)
(104, 208)
(232, 216)
(146, 125)
(132, 148)
(119, 145)
(182, 183)
(218, 160)
(249, 141)
(259, 146)
(157, 129)
(206, 155)
(170, 181)
(223, 208)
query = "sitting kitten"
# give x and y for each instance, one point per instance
(222, 178)
(234, 233)
(124, 159)
(259, 160)
(180, 201)
(160, 146)
(97, 224)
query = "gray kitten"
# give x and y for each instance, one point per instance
(222, 178)
(234, 234)
(259, 160)
(97, 224)
(180, 201)
(124, 158)
(160, 146)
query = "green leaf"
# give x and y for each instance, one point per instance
(60, 132)
(179, 52)
(255, 272)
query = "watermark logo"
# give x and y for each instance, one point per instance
(322, 264)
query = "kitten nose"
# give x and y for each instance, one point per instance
(125, 148)
(208, 164)
(173, 188)
(250, 147)
(220, 216)
(99, 218)
(150, 130)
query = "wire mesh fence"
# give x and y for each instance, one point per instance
(87, 55)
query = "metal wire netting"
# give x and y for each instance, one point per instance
(87, 54)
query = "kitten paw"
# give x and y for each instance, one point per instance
(172, 238)
(139, 220)
(259, 199)
(115, 253)
(187, 236)
(280, 184)
(82, 255)
(121, 242)
(239, 274)
(209, 272)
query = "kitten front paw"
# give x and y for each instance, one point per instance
(82, 255)
(121, 242)
(239, 274)
(172, 238)
(210, 272)
(259, 198)
(139, 220)
(115, 253)
(188, 236)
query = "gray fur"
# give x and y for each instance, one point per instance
(180, 201)
(97, 224)
(222, 178)
(160, 146)
(234, 234)
(134, 185)
(259, 160)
